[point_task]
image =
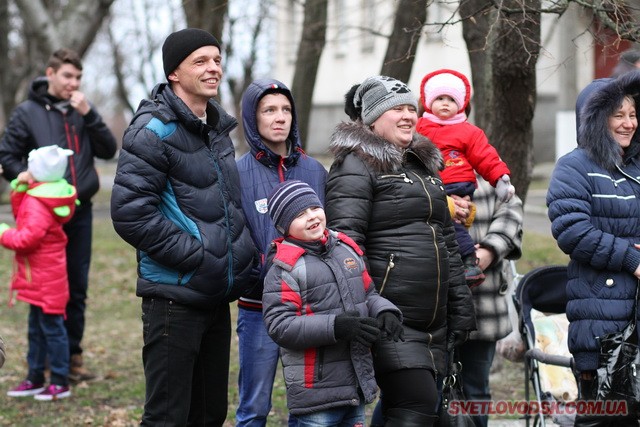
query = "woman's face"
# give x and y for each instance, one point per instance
(397, 125)
(623, 123)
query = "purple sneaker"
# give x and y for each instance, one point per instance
(54, 392)
(26, 388)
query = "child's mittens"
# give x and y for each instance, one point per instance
(3, 227)
(504, 189)
(390, 326)
(351, 327)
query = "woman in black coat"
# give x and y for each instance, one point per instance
(384, 191)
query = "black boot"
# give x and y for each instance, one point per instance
(397, 417)
(472, 272)
(588, 391)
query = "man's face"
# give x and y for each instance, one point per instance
(64, 81)
(197, 78)
(274, 118)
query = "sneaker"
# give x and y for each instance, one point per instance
(54, 392)
(26, 388)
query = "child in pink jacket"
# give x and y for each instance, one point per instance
(40, 208)
(445, 95)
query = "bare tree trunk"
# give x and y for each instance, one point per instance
(310, 49)
(477, 18)
(514, 57)
(44, 27)
(407, 27)
(207, 14)
(239, 85)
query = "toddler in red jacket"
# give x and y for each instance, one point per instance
(40, 208)
(445, 95)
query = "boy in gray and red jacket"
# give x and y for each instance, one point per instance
(320, 305)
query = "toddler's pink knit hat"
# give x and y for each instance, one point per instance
(445, 82)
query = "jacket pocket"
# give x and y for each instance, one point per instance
(155, 272)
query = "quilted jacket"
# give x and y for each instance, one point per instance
(261, 170)
(308, 285)
(40, 263)
(175, 199)
(594, 208)
(39, 122)
(393, 204)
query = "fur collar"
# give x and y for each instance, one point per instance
(380, 154)
(593, 134)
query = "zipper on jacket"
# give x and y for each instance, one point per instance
(72, 165)
(76, 140)
(401, 175)
(390, 265)
(320, 363)
(223, 191)
(435, 246)
(433, 360)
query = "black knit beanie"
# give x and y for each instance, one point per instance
(287, 200)
(180, 44)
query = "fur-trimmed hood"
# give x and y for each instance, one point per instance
(380, 154)
(594, 111)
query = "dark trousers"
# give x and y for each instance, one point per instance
(412, 389)
(476, 358)
(47, 341)
(78, 232)
(465, 242)
(186, 363)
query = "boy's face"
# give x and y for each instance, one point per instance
(309, 225)
(63, 81)
(274, 119)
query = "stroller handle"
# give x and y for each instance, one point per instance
(549, 359)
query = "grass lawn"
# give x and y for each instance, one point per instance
(113, 343)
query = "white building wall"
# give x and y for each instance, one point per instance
(351, 54)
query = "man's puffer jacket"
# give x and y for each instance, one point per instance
(393, 204)
(307, 286)
(176, 200)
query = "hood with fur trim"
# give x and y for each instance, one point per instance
(379, 153)
(594, 135)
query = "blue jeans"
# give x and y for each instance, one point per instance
(258, 363)
(47, 340)
(343, 416)
(186, 363)
(78, 231)
(477, 357)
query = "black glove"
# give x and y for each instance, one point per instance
(456, 339)
(351, 327)
(390, 326)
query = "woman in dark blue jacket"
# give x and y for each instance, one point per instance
(594, 207)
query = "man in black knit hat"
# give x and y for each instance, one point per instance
(176, 199)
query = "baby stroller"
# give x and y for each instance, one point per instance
(540, 301)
